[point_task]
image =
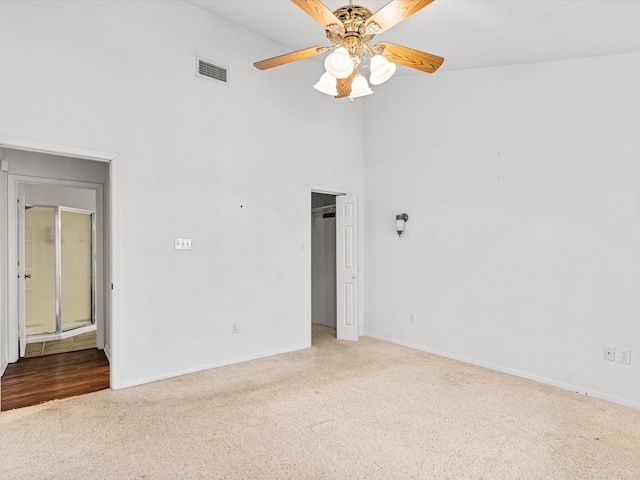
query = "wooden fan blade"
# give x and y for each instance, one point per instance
(319, 12)
(343, 85)
(410, 58)
(393, 13)
(290, 57)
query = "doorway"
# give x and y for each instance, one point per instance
(57, 269)
(323, 259)
(59, 264)
(33, 165)
(333, 263)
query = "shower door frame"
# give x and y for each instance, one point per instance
(60, 332)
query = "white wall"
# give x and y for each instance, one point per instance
(522, 250)
(79, 198)
(227, 166)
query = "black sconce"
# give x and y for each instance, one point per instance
(401, 219)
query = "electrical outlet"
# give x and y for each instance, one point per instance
(624, 355)
(234, 328)
(412, 317)
(608, 354)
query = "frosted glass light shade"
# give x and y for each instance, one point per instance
(339, 64)
(360, 87)
(381, 70)
(327, 84)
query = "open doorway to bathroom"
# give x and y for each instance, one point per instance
(55, 287)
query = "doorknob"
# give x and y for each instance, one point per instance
(353, 276)
(28, 275)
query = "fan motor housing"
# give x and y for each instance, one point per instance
(354, 18)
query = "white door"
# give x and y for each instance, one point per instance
(347, 267)
(22, 321)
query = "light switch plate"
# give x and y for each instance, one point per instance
(182, 244)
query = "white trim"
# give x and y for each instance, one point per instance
(112, 248)
(329, 190)
(52, 337)
(55, 149)
(517, 373)
(4, 309)
(209, 366)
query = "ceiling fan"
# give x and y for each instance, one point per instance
(350, 29)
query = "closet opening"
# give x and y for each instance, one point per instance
(323, 263)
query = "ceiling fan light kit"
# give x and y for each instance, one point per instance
(350, 29)
(339, 63)
(327, 84)
(359, 87)
(381, 70)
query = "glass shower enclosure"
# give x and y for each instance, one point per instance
(59, 274)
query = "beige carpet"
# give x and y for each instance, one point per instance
(339, 410)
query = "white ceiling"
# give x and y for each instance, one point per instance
(467, 33)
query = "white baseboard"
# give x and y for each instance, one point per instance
(499, 368)
(107, 352)
(271, 353)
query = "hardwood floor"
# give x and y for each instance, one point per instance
(31, 381)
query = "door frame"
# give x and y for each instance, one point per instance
(110, 244)
(14, 184)
(311, 189)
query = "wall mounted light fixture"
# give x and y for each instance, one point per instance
(401, 219)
